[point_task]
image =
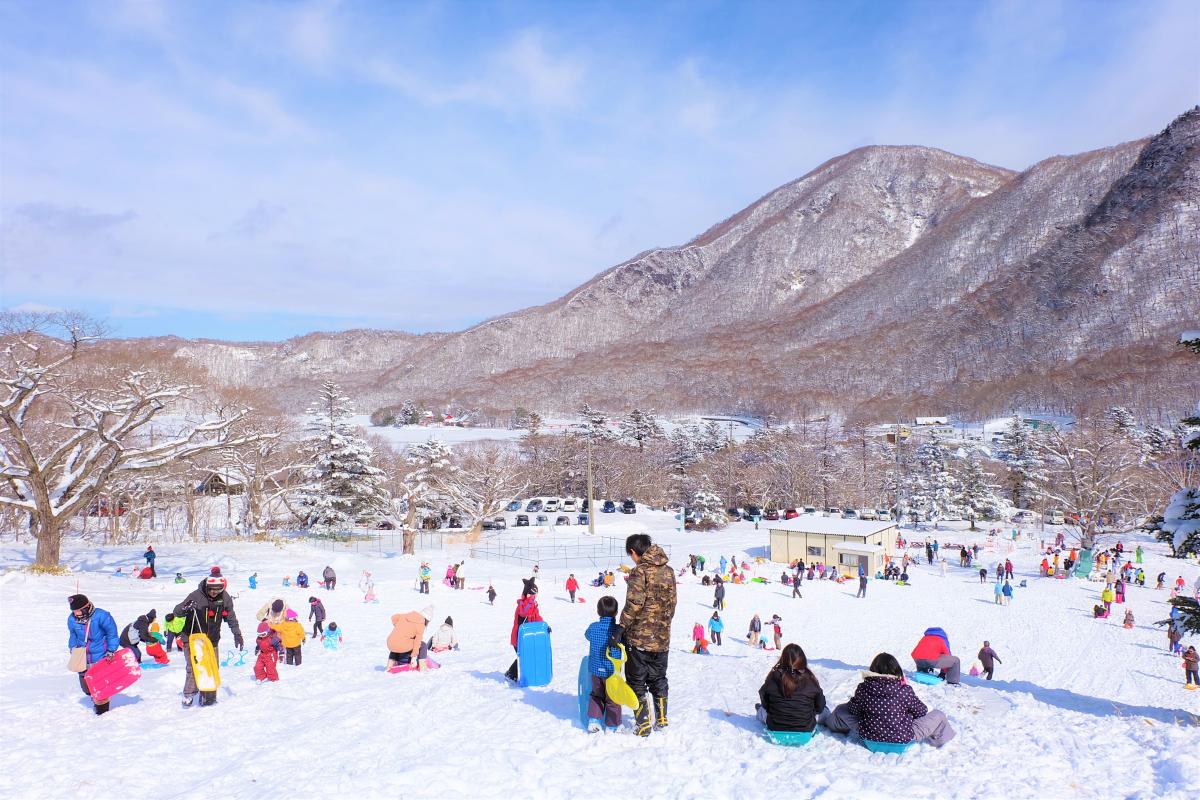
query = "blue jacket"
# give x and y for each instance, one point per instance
(102, 635)
(597, 636)
(716, 625)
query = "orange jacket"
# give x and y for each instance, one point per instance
(291, 633)
(407, 632)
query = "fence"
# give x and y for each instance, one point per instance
(600, 552)
(374, 541)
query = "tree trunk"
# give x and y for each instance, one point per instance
(410, 542)
(49, 543)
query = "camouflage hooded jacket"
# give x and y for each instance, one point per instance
(650, 603)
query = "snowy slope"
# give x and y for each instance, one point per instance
(1080, 707)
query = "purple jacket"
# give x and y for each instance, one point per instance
(885, 707)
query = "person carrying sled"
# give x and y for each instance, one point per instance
(204, 610)
(645, 628)
(137, 632)
(526, 611)
(933, 653)
(93, 631)
(602, 710)
(791, 697)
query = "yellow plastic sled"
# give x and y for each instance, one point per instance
(615, 686)
(204, 663)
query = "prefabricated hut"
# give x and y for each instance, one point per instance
(846, 543)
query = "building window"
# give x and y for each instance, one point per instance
(848, 559)
(816, 551)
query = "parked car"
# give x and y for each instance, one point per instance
(753, 511)
(385, 525)
(628, 506)
(810, 509)
(849, 513)
(833, 512)
(790, 513)
(533, 505)
(562, 519)
(584, 504)
(582, 519)
(1024, 517)
(1054, 517)
(734, 514)
(609, 507)
(522, 521)
(497, 524)
(883, 515)
(772, 515)
(541, 519)
(867, 513)
(454, 522)
(515, 505)
(570, 505)
(551, 505)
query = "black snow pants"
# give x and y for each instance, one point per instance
(646, 670)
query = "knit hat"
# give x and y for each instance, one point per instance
(264, 629)
(291, 614)
(151, 615)
(450, 621)
(215, 572)
(215, 581)
(78, 602)
(427, 613)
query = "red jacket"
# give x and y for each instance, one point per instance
(930, 648)
(572, 585)
(527, 611)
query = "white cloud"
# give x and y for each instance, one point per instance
(36, 308)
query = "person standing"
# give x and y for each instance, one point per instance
(316, 614)
(715, 626)
(572, 586)
(330, 578)
(94, 631)
(862, 583)
(204, 610)
(777, 629)
(526, 611)
(796, 583)
(988, 658)
(425, 574)
(755, 630)
(645, 628)
(150, 555)
(719, 594)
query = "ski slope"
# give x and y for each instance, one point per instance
(1080, 708)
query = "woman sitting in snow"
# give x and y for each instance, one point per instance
(885, 709)
(444, 638)
(791, 696)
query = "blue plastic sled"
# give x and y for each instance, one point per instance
(534, 654)
(887, 747)
(790, 738)
(585, 689)
(927, 678)
(239, 655)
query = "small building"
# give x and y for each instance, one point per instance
(223, 482)
(931, 421)
(846, 543)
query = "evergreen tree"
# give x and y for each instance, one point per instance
(640, 427)
(1189, 615)
(1019, 452)
(709, 511)
(408, 414)
(712, 438)
(975, 493)
(595, 424)
(1180, 526)
(346, 489)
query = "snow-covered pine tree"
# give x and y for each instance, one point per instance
(408, 414)
(1019, 452)
(712, 437)
(975, 493)
(1180, 527)
(595, 423)
(346, 488)
(708, 509)
(1121, 419)
(640, 427)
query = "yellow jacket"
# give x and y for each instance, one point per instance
(290, 632)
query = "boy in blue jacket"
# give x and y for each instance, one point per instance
(94, 629)
(601, 709)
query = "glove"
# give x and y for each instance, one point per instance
(616, 634)
(238, 642)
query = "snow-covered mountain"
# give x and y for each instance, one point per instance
(890, 279)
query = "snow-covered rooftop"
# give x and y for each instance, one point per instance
(815, 523)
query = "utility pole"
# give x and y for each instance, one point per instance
(590, 495)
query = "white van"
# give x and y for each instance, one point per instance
(551, 505)
(867, 513)
(1054, 517)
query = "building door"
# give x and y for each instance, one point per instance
(864, 564)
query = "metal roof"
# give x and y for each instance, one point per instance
(816, 523)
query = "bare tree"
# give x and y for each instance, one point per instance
(64, 439)
(487, 478)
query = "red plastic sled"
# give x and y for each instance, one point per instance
(106, 678)
(429, 664)
(156, 652)
(146, 574)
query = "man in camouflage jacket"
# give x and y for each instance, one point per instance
(646, 628)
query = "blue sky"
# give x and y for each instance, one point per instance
(261, 170)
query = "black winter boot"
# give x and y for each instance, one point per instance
(641, 718)
(660, 709)
(101, 708)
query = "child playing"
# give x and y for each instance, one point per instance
(1191, 680)
(264, 665)
(444, 639)
(332, 637)
(602, 711)
(697, 635)
(491, 595)
(316, 612)
(291, 633)
(715, 626)
(777, 629)
(1128, 618)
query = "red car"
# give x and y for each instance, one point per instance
(790, 513)
(772, 515)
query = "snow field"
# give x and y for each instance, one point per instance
(1079, 707)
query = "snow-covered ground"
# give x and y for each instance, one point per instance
(1079, 707)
